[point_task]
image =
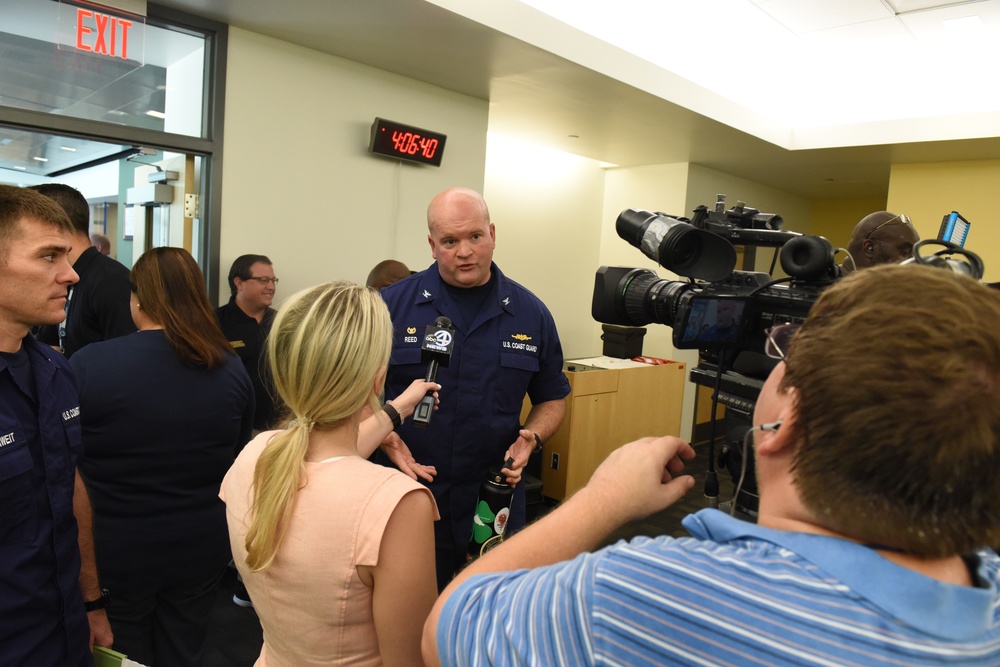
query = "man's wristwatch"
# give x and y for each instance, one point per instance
(538, 443)
(100, 603)
(393, 414)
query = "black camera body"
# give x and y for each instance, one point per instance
(722, 312)
(733, 313)
(719, 307)
(725, 313)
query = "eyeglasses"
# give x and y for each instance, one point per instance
(779, 339)
(901, 218)
(262, 280)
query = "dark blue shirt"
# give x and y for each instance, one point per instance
(40, 601)
(158, 436)
(509, 350)
(248, 338)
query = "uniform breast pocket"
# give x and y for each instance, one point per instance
(516, 371)
(406, 356)
(18, 520)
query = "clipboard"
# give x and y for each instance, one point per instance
(106, 657)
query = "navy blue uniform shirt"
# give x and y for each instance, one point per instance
(40, 601)
(509, 350)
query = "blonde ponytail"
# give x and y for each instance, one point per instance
(327, 345)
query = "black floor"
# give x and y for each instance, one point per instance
(234, 635)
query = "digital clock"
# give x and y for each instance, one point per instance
(406, 142)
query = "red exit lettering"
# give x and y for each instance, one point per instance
(110, 33)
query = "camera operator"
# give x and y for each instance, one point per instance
(877, 446)
(881, 238)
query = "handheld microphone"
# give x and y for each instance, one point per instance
(439, 339)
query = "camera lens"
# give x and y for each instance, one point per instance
(646, 298)
(636, 297)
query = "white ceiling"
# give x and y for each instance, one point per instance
(838, 105)
(800, 73)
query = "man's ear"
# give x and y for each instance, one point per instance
(430, 241)
(786, 437)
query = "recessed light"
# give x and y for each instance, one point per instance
(964, 23)
(156, 114)
(67, 148)
(20, 168)
(41, 159)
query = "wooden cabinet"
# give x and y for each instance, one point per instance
(606, 408)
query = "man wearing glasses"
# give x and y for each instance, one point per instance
(877, 466)
(881, 238)
(246, 322)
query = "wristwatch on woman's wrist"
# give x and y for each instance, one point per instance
(393, 414)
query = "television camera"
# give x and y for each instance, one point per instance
(726, 313)
(722, 312)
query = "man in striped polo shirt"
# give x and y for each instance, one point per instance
(877, 448)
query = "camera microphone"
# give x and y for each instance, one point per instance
(439, 340)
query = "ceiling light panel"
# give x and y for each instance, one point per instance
(789, 70)
(688, 38)
(932, 27)
(802, 17)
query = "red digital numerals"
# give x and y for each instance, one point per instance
(409, 143)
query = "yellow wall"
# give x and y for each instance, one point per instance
(835, 219)
(546, 206)
(926, 192)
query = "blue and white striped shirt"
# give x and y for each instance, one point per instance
(734, 594)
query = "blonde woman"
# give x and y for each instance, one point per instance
(337, 553)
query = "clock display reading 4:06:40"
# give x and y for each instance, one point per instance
(410, 143)
(406, 142)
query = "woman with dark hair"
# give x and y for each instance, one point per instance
(163, 412)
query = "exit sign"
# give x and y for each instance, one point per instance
(102, 31)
